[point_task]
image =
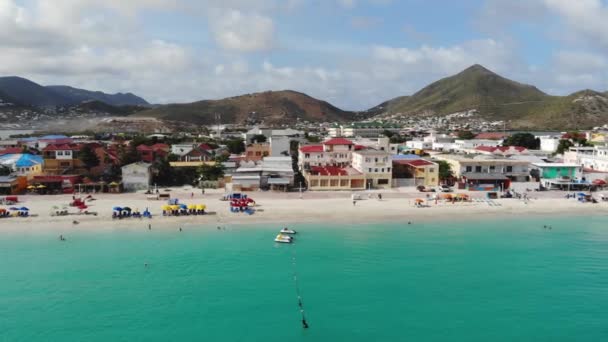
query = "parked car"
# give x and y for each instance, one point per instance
(444, 188)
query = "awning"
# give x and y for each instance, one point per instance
(484, 176)
(279, 181)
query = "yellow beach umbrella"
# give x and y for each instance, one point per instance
(166, 207)
(201, 207)
(191, 206)
(175, 207)
(113, 184)
(31, 187)
(41, 186)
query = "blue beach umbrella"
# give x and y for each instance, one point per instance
(24, 209)
(13, 208)
(117, 209)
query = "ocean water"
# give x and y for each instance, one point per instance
(507, 280)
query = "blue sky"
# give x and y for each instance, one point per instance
(353, 53)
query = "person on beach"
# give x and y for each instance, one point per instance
(354, 203)
(149, 226)
(192, 195)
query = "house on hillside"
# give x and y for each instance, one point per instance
(62, 159)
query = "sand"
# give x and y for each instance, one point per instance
(285, 209)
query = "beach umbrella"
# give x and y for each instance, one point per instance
(14, 208)
(41, 186)
(113, 184)
(183, 206)
(24, 209)
(126, 209)
(191, 206)
(31, 187)
(165, 207)
(117, 209)
(83, 207)
(175, 207)
(599, 182)
(201, 207)
(419, 200)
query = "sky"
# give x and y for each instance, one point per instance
(352, 53)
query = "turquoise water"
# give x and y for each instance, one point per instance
(485, 281)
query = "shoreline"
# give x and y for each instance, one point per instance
(278, 211)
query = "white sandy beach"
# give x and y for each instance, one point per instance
(283, 209)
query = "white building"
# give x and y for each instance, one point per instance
(362, 129)
(375, 165)
(549, 143)
(333, 152)
(591, 158)
(182, 149)
(279, 146)
(136, 176)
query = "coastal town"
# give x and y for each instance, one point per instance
(364, 156)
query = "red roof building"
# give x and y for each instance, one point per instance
(492, 135)
(311, 148)
(502, 150)
(11, 150)
(338, 141)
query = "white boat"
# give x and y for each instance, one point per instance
(283, 239)
(287, 231)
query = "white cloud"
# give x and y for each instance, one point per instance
(234, 30)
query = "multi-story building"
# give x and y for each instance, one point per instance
(256, 151)
(61, 159)
(375, 165)
(362, 129)
(486, 172)
(333, 152)
(415, 172)
(591, 158)
(549, 143)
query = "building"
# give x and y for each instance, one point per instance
(589, 158)
(549, 143)
(57, 184)
(376, 166)
(277, 173)
(487, 173)
(149, 154)
(415, 172)
(62, 159)
(256, 151)
(362, 129)
(12, 185)
(563, 176)
(181, 150)
(280, 146)
(269, 133)
(333, 152)
(470, 145)
(503, 151)
(137, 176)
(334, 178)
(27, 165)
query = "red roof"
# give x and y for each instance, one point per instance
(502, 149)
(11, 150)
(160, 146)
(64, 147)
(491, 135)
(311, 148)
(328, 171)
(413, 162)
(338, 141)
(360, 147)
(143, 147)
(205, 147)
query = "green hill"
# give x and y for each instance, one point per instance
(498, 98)
(271, 108)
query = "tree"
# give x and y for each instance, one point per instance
(563, 146)
(88, 157)
(5, 170)
(259, 138)
(388, 133)
(312, 138)
(211, 172)
(235, 146)
(526, 140)
(129, 155)
(466, 135)
(445, 170)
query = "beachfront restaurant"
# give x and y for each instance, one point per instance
(9, 185)
(477, 181)
(560, 176)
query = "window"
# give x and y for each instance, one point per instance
(59, 153)
(432, 169)
(376, 170)
(382, 170)
(367, 160)
(509, 168)
(370, 170)
(477, 168)
(492, 168)
(307, 155)
(382, 181)
(469, 169)
(388, 170)
(376, 160)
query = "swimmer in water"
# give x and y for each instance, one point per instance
(180, 229)
(61, 238)
(149, 227)
(218, 227)
(146, 264)
(75, 222)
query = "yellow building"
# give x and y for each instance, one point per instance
(423, 172)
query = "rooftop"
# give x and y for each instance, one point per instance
(413, 162)
(338, 141)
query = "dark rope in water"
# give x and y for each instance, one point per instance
(299, 296)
